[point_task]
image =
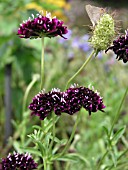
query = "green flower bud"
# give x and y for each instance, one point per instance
(103, 33)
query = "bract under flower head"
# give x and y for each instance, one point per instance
(103, 33)
(42, 26)
(17, 161)
(120, 47)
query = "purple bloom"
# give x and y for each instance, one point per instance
(120, 47)
(44, 103)
(85, 47)
(42, 26)
(70, 102)
(18, 161)
(83, 97)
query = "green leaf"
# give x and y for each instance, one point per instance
(33, 151)
(68, 157)
(106, 130)
(118, 135)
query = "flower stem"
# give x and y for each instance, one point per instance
(53, 131)
(119, 158)
(42, 65)
(72, 135)
(118, 112)
(80, 69)
(34, 79)
(44, 163)
(100, 162)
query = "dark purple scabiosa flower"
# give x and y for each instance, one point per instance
(42, 26)
(83, 97)
(18, 161)
(44, 103)
(120, 47)
(70, 101)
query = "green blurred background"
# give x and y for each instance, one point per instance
(62, 59)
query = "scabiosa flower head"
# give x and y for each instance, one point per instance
(70, 101)
(120, 47)
(44, 103)
(18, 161)
(84, 97)
(103, 33)
(42, 26)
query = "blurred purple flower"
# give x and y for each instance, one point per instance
(75, 42)
(85, 47)
(83, 44)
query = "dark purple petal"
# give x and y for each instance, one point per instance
(70, 102)
(42, 26)
(120, 47)
(18, 161)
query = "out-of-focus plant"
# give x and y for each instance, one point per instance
(44, 139)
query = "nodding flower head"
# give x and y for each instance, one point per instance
(103, 33)
(70, 101)
(42, 26)
(120, 47)
(17, 161)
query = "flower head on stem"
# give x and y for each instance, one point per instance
(17, 161)
(69, 101)
(120, 47)
(42, 26)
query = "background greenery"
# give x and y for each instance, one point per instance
(62, 59)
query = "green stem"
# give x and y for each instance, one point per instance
(80, 69)
(72, 135)
(118, 112)
(44, 163)
(99, 164)
(42, 65)
(34, 79)
(53, 131)
(119, 158)
(115, 119)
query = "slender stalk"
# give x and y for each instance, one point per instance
(42, 65)
(72, 135)
(44, 163)
(99, 164)
(119, 158)
(8, 102)
(115, 119)
(118, 112)
(53, 131)
(80, 69)
(34, 79)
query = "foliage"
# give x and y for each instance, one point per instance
(97, 143)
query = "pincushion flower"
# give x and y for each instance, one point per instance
(18, 161)
(83, 97)
(42, 26)
(44, 103)
(70, 101)
(120, 47)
